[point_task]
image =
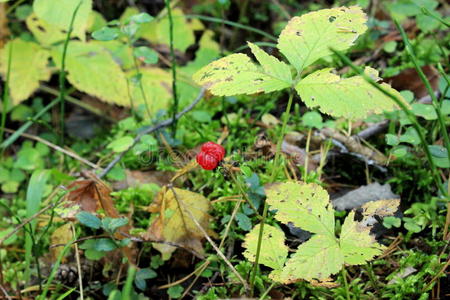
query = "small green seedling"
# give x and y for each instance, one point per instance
(303, 41)
(307, 206)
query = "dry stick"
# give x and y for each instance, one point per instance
(150, 130)
(139, 240)
(56, 147)
(210, 240)
(5, 292)
(25, 222)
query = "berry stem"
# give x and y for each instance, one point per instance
(273, 177)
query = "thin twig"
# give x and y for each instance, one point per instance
(56, 147)
(150, 130)
(245, 284)
(5, 293)
(25, 222)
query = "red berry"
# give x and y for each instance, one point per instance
(207, 161)
(216, 150)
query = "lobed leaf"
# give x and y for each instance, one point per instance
(352, 98)
(309, 37)
(356, 243)
(305, 205)
(318, 258)
(237, 74)
(273, 250)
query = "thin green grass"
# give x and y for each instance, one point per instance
(11, 139)
(174, 70)
(35, 193)
(412, 118)
(5, 98)
(62, 74)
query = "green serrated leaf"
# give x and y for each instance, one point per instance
(89, 220)
(28, 67)
(271, 65)
(305, 205)
(273, 250)
(356, 243)
(237, 74)
(121, 144)
(104, 244)
(309, 37)
(111, 224)
(352, 98)
(317, 258)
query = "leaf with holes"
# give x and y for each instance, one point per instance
(45, 33)
(324, 254)
(59, 13)
(352, 98)
(307, 38)
(237, 74)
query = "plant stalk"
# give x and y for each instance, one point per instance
(266, 206)
(174, 70)
(62, 73)
(6, 93)
(427, 84)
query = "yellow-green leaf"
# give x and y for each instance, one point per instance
(309, 37)
(158, 31)
(91, 69)
(236, 74)
(120, 52)
(356, 243)
(28, 67)
(318, 258)
(59, 13)
(157, 86)
(305, 205)
(273, 250)
(45, 33)
(352, 98)
(271, 65)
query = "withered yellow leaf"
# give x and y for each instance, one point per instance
(174, 224)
